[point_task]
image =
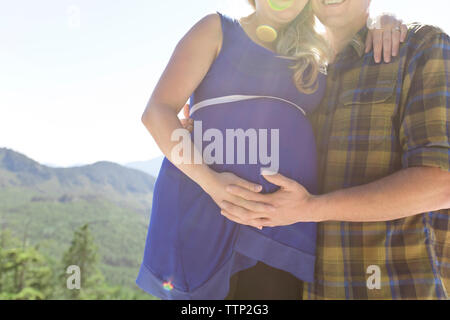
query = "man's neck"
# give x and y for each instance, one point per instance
(339, 38)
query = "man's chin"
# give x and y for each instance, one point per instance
(335, 22)
(340, 13)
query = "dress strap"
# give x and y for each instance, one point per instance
(229, 29)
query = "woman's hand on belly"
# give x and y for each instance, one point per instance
(256, 211)
(292, 203)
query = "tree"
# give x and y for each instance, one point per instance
(83, 253)
(24, 272)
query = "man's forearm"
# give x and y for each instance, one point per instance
(406, 193)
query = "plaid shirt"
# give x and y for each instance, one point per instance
(375, 120)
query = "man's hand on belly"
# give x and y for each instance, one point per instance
(403, 194)
(292, 203)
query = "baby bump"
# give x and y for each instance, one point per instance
(246, 136)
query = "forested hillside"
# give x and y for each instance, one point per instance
(41, 209)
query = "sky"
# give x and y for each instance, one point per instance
(76, 75)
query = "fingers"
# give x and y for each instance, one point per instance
(253, 206)
(398, 36)
(377, 44)
(386, 33)
(248, 185)
(278, 179)
(187, 123)
(235, 219)
(387, 45)
(381, 34)
(186, 111)
(369, 42)
(256, 222)
(246, 194)
(403, 32)
(265, 223)
(242, 213)
(395, 42)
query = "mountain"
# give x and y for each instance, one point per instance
(151, 167)
(43, 206)
(119, 184)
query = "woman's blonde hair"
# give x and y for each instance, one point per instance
(300, 41)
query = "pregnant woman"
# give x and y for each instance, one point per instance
(251, 84)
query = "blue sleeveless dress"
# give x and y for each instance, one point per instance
(191, 249)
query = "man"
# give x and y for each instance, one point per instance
(384, 153)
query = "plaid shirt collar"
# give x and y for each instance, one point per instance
(356, 45)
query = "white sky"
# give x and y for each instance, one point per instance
(75, 75)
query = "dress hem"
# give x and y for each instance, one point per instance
(250, 247)
(213, 289)
(277, 255)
